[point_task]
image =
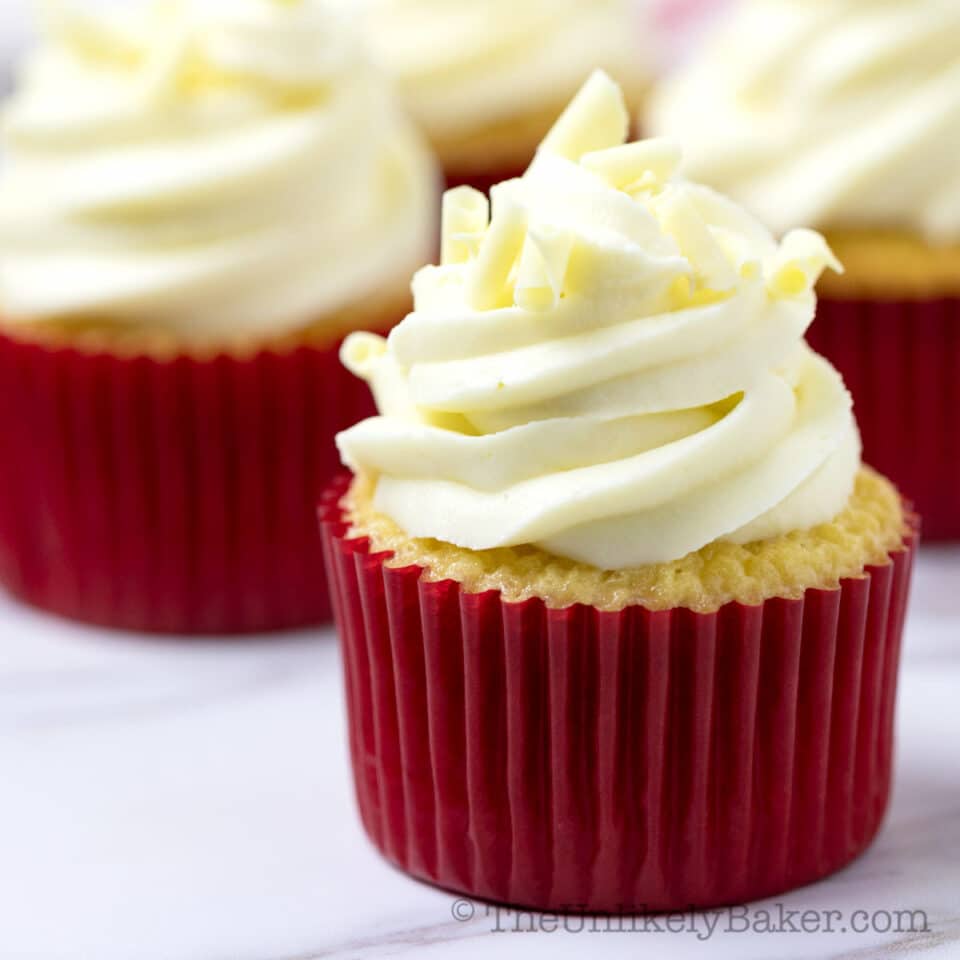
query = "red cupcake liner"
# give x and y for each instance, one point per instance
(615, 762)
(901, 362)
(175, 496)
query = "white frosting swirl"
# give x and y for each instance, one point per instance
(218, 169)
(463, 66)
(613, 368)
(834, 114)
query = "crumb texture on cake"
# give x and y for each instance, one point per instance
(871, 527)
(891, 265)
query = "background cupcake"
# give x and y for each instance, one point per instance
(846, 116)
(199, 199)
(486, 79)
(621, 609)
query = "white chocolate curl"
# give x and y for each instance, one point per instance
(612, 369)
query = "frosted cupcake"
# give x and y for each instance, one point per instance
(846, 116)
(620, 607)
(199, 200)
(486, 79)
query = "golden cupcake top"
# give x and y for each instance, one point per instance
(608, 364)
(840, 114)
(216, 169)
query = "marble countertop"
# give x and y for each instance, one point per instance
(192, 801)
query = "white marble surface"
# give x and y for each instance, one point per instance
(184, 801)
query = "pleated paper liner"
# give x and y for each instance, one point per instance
(615, 762)
(173, 495)
(901, 362)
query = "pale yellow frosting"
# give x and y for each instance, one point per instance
(608, 364)
(214, 169)
(828, 113)
(462, 66)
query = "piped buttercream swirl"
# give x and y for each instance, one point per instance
(609, 363)
(840, 114)
(461, 67)
(216, 169)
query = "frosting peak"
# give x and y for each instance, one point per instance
(215, 168)
(608, 363)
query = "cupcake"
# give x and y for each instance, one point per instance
(199, 200)
(845, 116)
(486, 79)
(621, 609)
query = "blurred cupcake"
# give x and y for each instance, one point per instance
(200, 199)
(846, 116)
(621, 610)
(486, 79)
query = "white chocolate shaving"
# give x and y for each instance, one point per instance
(465, 218)
(597, 118)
